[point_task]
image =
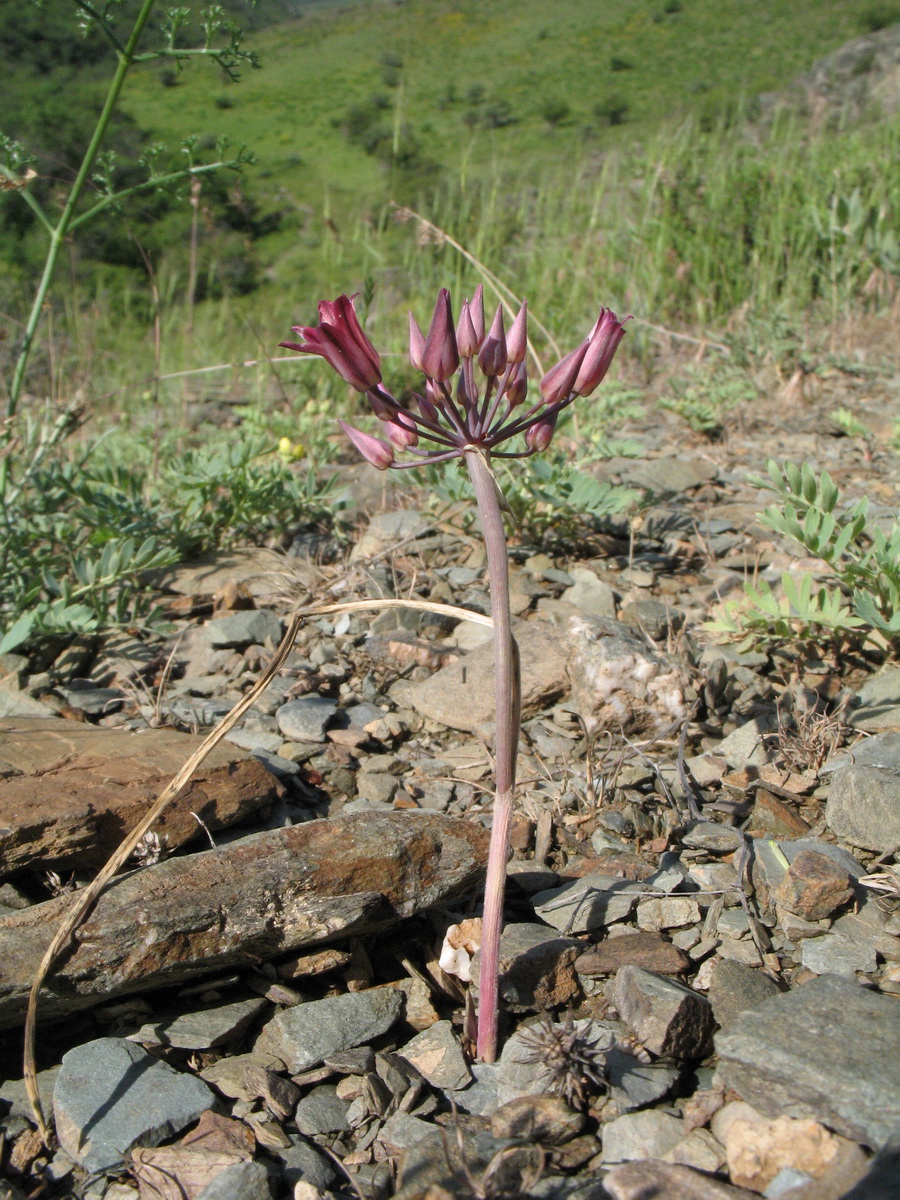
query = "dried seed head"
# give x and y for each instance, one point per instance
(571, 1054)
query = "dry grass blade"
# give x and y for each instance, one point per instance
(84, 899)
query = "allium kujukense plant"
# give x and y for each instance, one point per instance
(474, 401)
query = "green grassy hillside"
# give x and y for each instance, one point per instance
(466, 81)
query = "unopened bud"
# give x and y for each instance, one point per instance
(373, 449)
(517, 388)
(476, 310)
(517, 338)
(602, 345)
(539, 436)
(492, 358)
(559, 380)
(440, 358)
(466, 340)
(416, 343)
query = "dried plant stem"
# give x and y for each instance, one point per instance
(508, 705)
(83, 900)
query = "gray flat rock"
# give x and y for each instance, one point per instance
(254, 627)
(639, 1135)
(643, 1180)
(203, 1029)
(242, 1181)
(436, 1055)
(305, 1035)
(734, 988)
(588, 903)
(111, 1095)
(305, 719)
(827, 1050)
(864, 807)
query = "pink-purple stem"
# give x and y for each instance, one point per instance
(506, 686)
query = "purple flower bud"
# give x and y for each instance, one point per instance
(517, 341)
(539, 435)
(440, 358)
(416, 343)
(382, 410)
(427, 407)
(340, 340)
(603, 342)
(401, 434)
(559, 380)
(517, 388)
(492, 358)
(466, 341)
(476, 309)
(373, 449)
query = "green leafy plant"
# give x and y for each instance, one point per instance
(864, 559)
(97, 169)
(703, 400)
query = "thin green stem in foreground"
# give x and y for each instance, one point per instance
(507, 693)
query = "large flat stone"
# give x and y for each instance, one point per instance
(70, 792)
(864, 807)
(111, 1095)
(260, 897)
(461, 695)
(827, 1050)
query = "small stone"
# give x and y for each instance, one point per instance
(756, 1150)
(666, 1017)
(746, 746)
(648, 1134)
(203, 1029)
(305, 719)
(711, 836)
(647, 950)
(545, 1120)
(322, 1111)
(814, 886)
(302, 1160)
(700, 1150)
(771, 815)
(668, 913)
(377, 786)
(252, 627)
(436, 1055)
(537, 968)
(642, 1180)
(837, 954)
(652, 617)
(635, 1084)
(111, 1095)
(734, 988)
(590, 593)
(587, 903)
(827, 1051)
(304, 1036)
(242, 1181)
(864, 807)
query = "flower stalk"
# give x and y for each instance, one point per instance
(464, 416)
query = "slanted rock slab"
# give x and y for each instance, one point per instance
(641, 1180)
(111, 1095)
(667, 1017)
(305, 1035)
(70, 792)
(461, 695)
(263, 896)
(864, 807)
(827, 1050)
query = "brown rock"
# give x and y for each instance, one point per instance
(647, 950)
(78, 789)
(666, 1017)
(814, 886)
(537, 967)
(260, 897)
(461, 694)
(641, 1180)
(771, 815)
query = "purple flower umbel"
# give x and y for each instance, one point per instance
(467, 416)
(480, 411)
